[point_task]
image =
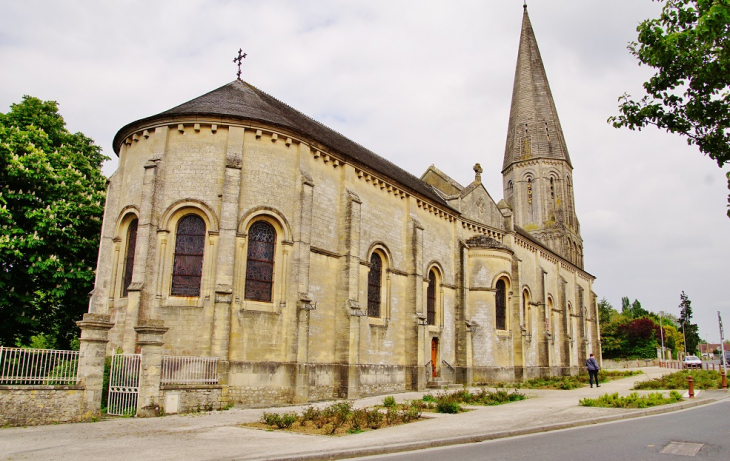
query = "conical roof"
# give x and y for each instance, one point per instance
(242, 100)
(534, 128)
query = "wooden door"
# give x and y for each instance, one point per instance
(434, 357)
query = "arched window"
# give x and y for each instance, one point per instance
(129, 256)
(431, 299)
(375, 277)
(260, 261)
(501, 305)
(187, 268)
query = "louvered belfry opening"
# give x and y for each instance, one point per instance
(187, 269)
(260, 262)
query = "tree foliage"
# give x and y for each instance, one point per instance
(689, 46)
(52, 196)
(691, 330)
(635, 333)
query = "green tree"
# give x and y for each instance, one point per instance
(606, 312)
(51, 203)
(689, 46)
(691, 331)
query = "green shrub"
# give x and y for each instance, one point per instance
(374, 418)
(633, 400)
(703, 379)
(270, 419)
(389, 401)
(446, 406)
(429, 398)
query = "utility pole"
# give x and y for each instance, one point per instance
(722, 353)
(661, 331)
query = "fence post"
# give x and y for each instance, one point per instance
(149, 340)
(92, 353)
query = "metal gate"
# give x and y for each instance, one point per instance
(124, 384)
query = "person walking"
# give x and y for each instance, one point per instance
(593, 368)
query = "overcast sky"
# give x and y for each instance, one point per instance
(419, 82)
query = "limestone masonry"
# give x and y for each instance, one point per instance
(239, 228)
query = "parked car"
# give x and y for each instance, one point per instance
(692, 361)
(727, 358)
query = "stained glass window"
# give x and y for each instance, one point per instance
(431, 299)
(501, 309)
(260, 261)
(374, 284)
(129, 256)
(187, 269)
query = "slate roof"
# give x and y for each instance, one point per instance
(533, 111)
(242, 100)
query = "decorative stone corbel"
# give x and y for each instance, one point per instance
(421, 319)
(355, 310)
(305, 302)
(472, 326)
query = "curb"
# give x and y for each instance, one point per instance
(411, 446)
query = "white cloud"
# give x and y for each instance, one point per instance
(418, 82)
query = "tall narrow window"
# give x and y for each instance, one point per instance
(374, 284)
(431, 299)
(129, 256)
(187, 269)
(526, 310)
(260, 261)
(501, 305)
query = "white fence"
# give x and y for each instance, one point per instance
(124, 377)
(20, 366)
(189, 370)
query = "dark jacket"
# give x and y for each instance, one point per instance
(591, 364)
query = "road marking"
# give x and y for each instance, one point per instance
(682, 448)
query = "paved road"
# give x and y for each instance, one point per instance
(636, 439)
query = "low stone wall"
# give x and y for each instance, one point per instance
(381, 379)
(609, 364)
(37, 405)
(189, 399)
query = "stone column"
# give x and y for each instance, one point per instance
(149, 340)
(227, 245)
(94, 337)
(349, 318)
(302, 251)
(416, 338)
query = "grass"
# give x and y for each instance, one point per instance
(569, 382)
(703, 379)
(633, 400)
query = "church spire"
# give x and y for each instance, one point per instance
(537, 172)
(534, 128)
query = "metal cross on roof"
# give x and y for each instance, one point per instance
(238, 59)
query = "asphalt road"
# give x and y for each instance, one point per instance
(637, 439)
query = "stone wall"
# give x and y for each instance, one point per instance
(187, 399)
(37, 405)
(609, 364)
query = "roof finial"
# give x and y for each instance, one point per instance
(238, 60)
(524, 5)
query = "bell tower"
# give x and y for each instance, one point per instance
(537, 172)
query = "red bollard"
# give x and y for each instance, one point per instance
(713, 366)
(691, 387)
(724, 381)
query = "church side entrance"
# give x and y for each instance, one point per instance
(435, 357)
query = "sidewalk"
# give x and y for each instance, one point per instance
(218, 436)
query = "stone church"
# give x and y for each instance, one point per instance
(237, 227)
